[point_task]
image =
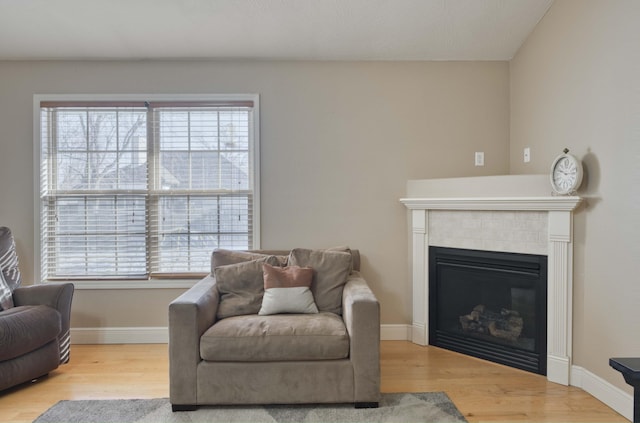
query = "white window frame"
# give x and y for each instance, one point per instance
(153, 283)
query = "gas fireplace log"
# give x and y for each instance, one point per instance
(505, 325)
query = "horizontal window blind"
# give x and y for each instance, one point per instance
(143, 189)
(202, 190)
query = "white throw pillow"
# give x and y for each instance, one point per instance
(288, 300)
(286, 290)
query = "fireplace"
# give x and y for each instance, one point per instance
(509, 213)
(489, 304)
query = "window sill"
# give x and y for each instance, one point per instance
(133, 284)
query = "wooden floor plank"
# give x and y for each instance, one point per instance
(482, 391)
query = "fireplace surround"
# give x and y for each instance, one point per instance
(511, 213)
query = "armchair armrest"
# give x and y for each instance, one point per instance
(190, 315)
(361, 313)
(57, 296)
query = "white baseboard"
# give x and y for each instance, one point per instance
(395, 332)
(558, 369)
(160, 335)
(120, 335)
(419, 334)
(612, 396)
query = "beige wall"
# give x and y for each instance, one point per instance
(576, 83)
(339, 141)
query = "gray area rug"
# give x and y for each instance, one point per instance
(433, 407)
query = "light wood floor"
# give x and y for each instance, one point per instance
(482, 391)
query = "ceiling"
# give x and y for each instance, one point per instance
(267, 29)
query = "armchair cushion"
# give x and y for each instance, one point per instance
(331, 270)
(26, 328)
(281, 337)
(241, 287)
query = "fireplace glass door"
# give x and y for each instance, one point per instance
(490, 305)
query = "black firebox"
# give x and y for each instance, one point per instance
(491, 305)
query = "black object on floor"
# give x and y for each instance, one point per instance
(630, 369)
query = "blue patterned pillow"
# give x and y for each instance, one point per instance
(9, 259)
(6, 297)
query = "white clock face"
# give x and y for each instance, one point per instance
(565, 175)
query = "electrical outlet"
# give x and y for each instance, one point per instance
(479, 158)
(527, 155)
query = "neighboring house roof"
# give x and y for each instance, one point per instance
(175, 174)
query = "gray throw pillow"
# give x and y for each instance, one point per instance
(6, 295)
(222, 257)
(9, 259)
(331, 270)
(344, 249)
(241, 287)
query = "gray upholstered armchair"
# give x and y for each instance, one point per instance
(224, 348)
(34, 322)
(34, 334)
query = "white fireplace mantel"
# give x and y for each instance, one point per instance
(493, 203)
(559, 248)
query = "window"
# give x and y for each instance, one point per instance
(145, 189)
